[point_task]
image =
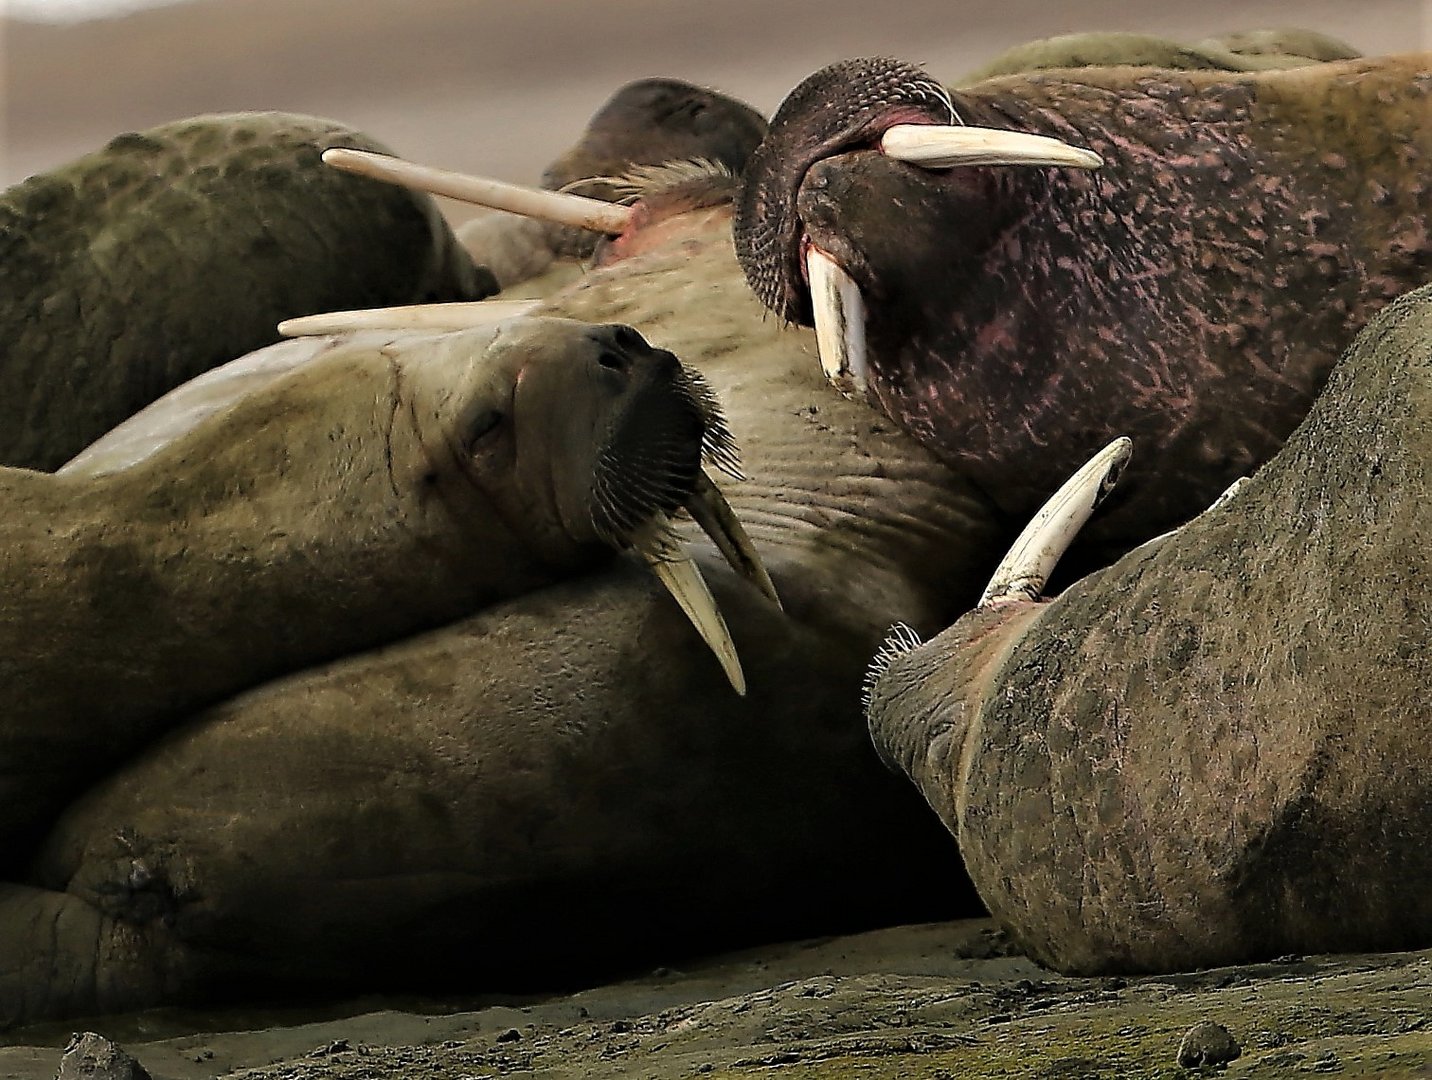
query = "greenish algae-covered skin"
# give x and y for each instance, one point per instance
(1258, 50)
(563, 785)
(1193, 293)
(1216, 749)
(389, 485)
(176, 249)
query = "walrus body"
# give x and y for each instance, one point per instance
(1191, 294)
(384, 487)
(174, 250)
(420, 815)
(1216, 750)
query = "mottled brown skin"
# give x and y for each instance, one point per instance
(563, 786)
(174, 250)
(1215, 750)
(1192, 294)
(386, 487)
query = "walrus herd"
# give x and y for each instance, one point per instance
(336, 671)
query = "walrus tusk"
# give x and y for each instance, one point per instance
(1023, 572)
(458, 316)
(839, 313)
(558, 207)
(937, 146)
(709, 508)
(675, 569)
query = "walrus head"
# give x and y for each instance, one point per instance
(883, 132)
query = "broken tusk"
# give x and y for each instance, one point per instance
(459, 316)
(1025, 570)
(676, 570)
(838, 310)
(709, 508)
(563, 209)
(937, 146)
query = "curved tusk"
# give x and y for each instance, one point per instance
(709, 508)
(563, 209)
(1025, 570)
(838, 310)
(459, 316)
(938, 146)
(676, 570)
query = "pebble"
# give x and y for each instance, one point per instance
(1207, 1044)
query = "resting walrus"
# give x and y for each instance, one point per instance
(560, 786)
(176, 249)
(383, 487)
(1216, 750)
(1191, 293)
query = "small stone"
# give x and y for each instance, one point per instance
(1207, 1044)
(510, 1035)
(93, 1057)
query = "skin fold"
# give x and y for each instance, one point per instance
(1215, 750)
(174, 250)
(1191, 294)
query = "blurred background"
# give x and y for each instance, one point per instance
(502, 88)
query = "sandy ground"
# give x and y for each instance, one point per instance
(502, 89)
(939, 1001)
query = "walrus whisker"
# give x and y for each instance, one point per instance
(1022, 574)
(677, 571)
(839, 315)
(899, 639)
(563, 209)
(937, 146)
(454, 316)
(710, 510)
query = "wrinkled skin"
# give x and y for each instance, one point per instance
(174, 250)
(1192, 294)
(409, 817)
(646, 123)
(1215, 750)
(386, 486)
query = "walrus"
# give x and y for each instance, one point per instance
(1182, 266)
(176, 249)
(389, 484)
(1214, 751)
(648, 123)
(560, 786)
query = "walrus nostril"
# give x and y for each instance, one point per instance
(612, 361)
(625, 338)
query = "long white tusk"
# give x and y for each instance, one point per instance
(552, 206)
(938, 146)
(676, 570)
(709, 508)
(1024, 571)
(839, 312)
(459, 316)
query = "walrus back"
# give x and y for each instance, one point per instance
(173, 250)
